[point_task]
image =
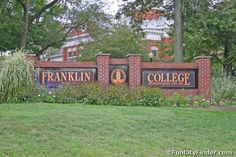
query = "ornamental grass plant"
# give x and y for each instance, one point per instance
(15, 74)
(223, 90)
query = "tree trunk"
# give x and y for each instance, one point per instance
(178, 31)
(26, 25)
(227, 67)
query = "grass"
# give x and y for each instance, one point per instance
(55, 130)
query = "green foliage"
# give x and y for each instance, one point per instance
(200, 101)
(49, 22)
(51, 98)
(178, 100)
(66, 94)
(210, 29)
(117, 95)
(15, 74)
(149, 97)
(118, 42)
(92, 93)
(29, 94)
(223, 89)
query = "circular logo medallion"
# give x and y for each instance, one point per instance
(118, 76)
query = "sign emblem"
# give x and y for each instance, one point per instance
(118, 76)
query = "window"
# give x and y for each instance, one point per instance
(69, 52)
(154, 51)
(72, 52)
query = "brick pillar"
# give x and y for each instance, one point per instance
(204, 75)
(65, 55)
(103, 69)
(134, 62)
(32, 58)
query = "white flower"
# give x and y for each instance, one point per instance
(39, 95)
(203, 99)
(53, 96)
(50, 93)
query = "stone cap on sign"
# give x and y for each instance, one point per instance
(103, 54)
(202, 57)
(129, 55)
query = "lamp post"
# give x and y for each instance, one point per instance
(150, 56)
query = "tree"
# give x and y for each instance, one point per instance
(40, 24)
(118, 41)
(178, 32)
(211, 29)
(131, 8)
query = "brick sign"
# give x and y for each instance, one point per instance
(53, 77)
(170, 78)
(194, 77)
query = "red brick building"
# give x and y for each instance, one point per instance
(71, 47)
(156, 28)
(156, 39)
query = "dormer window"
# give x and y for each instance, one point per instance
(72, 52)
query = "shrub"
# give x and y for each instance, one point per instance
(144, 96)
(14, 75)
(92, 93)
(116, 95)
(223, 89)
(29, 94)
(49, 97)
(177, 100)
(200, 101)
(66, 94)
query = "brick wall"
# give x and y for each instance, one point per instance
(118, 61)
(134, 62)
(58, 64)
(103, 69)
(64, 55)
(135, 67)
(154, 65)
(204, 75)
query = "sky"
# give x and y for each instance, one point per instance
(111, 6)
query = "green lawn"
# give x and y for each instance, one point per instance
(56, 130)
